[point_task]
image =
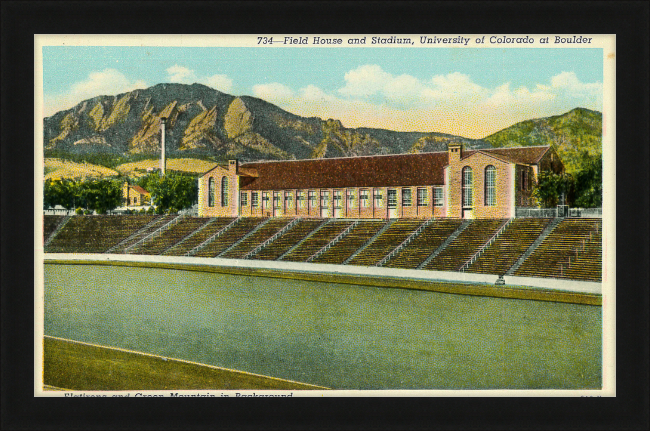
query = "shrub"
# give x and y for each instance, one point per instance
(87, 212)
(142, 211)
(150, 210)
(79, 211)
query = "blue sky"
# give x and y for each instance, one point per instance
(469, 92)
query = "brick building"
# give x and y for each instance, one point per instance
(133, 195)
(487, 183)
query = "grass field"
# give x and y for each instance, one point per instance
(65, 169)
(79, 366)
(330, 334)
(195, 166)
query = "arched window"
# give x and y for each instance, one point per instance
(211, 192)
(490, 186)
(468, 184)
(224, 191)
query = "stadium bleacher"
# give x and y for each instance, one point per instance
(155, 223)
(318, 240)
(242, 227)
(424, 244)
(465, 245)
(571, 250)
(50, 223)
(280, 246)
(513, 242)
(170, 236)
(265, 232)
(95, 234)
(202, 234)
(357, 237)
(386, 242)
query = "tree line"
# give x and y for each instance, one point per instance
(171, 193)
(583, 189)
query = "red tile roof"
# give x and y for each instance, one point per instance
(139, 190)
(521, 155)
(370, 171)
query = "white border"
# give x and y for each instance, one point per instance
(606, 42)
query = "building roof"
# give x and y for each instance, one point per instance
(139, 189)
(520, 155)
(368, 171)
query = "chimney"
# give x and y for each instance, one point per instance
(163, 161)
(233, 166)
(455, 152)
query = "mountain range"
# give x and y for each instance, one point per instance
(206, 122)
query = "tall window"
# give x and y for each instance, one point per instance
(338, 198)
(312, 199)
(244, 199)
(224, 191)
(468, 184)
(524, 179)
(490, 186)
(406, 197)
(379, 199)
(351, 198)
(363, 198)
(265, 199)
(324, 198)
(211, 192)
(288, 200)
(276, 200)
(438, 197)
(423, 197)
(255, 199)
(392, 198)
(300, 199)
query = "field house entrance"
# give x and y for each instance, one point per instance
(392, 203)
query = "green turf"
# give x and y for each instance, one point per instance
(340, 336)
(77, 366)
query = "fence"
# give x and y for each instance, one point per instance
(553, 212)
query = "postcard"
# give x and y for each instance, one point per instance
(287, 215)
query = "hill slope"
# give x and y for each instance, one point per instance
(571, 133)
(205, 122)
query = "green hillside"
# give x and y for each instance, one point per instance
(571, 134)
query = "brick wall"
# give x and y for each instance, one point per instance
(219, 210)
(504, 207)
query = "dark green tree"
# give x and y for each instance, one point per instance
(589, 181)
(59, 192)
(49, 199)
(101, 195)
(551, 186)
(172, 192)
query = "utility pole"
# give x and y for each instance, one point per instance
(163, 162)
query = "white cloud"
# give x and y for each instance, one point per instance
(105, 82)
(569, 84)
(218, 82)
(273, 92)
(181, 74)
(450, 103)
(365, 80)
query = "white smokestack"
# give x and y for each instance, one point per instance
(163, 162)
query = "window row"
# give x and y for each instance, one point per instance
(489, 184)
(315, 198)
